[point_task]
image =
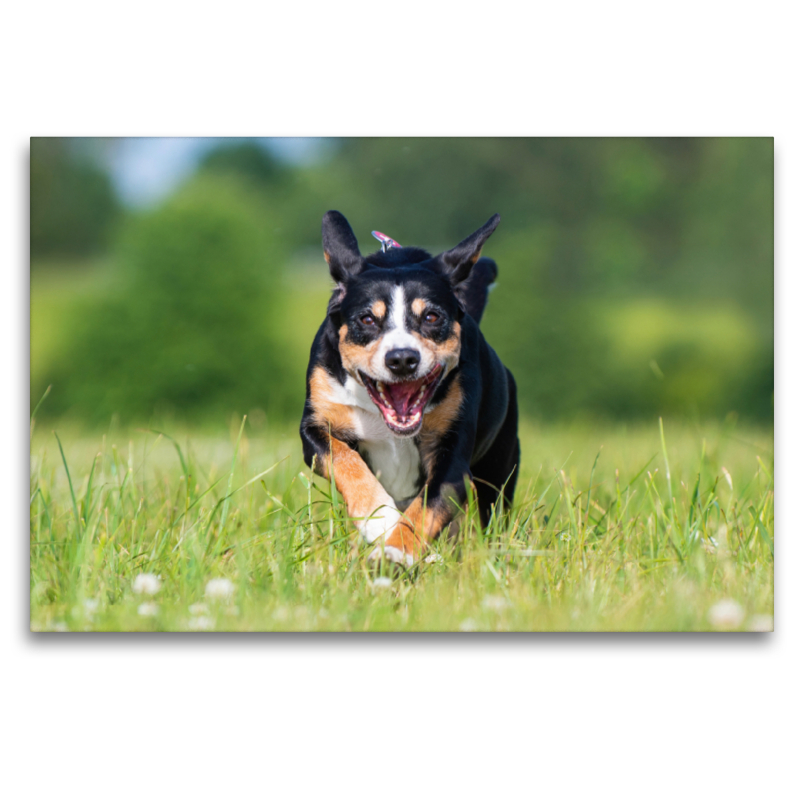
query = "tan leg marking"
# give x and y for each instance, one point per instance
(362, 493)
(419, 526)
(368, 504)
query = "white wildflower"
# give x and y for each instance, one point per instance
(382, 582)
(201, 623)
(433, 558)
(149, 609)
(198, 609)
(468, 626)
(146, 583)
(726, 615)
(90, 605)
(219, 589)
(761, 623)
(494, 602)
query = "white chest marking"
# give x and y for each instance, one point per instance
(396, 464)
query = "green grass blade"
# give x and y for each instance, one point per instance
(39, 404)
(69, 480)
(226, 504)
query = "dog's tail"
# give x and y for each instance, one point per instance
(474, 291)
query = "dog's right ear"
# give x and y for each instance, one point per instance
(340, 247)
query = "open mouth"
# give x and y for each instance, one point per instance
(403, 402)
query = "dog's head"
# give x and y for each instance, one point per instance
(398, 317)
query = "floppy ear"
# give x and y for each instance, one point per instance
(340, 247)
(458, 262)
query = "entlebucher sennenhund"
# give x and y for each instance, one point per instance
(405, 400)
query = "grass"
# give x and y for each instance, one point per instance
(614, 529)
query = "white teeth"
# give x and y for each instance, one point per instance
(408, 422)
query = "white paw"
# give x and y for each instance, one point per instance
(379, 523)
(393, 554)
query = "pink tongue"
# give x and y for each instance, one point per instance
(401, 395)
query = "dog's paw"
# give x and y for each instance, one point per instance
(391, 556)
(379, 523)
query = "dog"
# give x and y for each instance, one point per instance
(405, 400)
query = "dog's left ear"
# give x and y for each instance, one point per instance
(458, 263)
(341, 247)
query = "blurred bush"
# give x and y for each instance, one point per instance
(73, 204)
(188, 328)
(636, 275)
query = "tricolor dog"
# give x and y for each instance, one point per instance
(405, 400)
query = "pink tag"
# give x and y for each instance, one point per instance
(386, 241)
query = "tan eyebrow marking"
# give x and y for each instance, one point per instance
(378, 308)
(418, 306)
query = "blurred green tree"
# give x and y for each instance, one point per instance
(189, 330)
(248, 160)
(73, 203)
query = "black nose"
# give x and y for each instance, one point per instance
(402, 362)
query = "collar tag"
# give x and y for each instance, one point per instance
(386, 241)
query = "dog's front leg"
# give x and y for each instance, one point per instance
(369, 505)
(427, 516)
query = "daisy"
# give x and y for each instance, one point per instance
(219, 589)
(148, 609)
(146, 583)
(726, 615)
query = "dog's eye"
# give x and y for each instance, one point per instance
(368, 320)
(431, 316)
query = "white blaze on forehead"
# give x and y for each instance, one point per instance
(397, 334)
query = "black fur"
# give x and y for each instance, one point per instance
(482, 442)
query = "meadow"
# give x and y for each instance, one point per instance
(635, 282)
(649, 527)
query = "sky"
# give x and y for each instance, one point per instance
(145, 170)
